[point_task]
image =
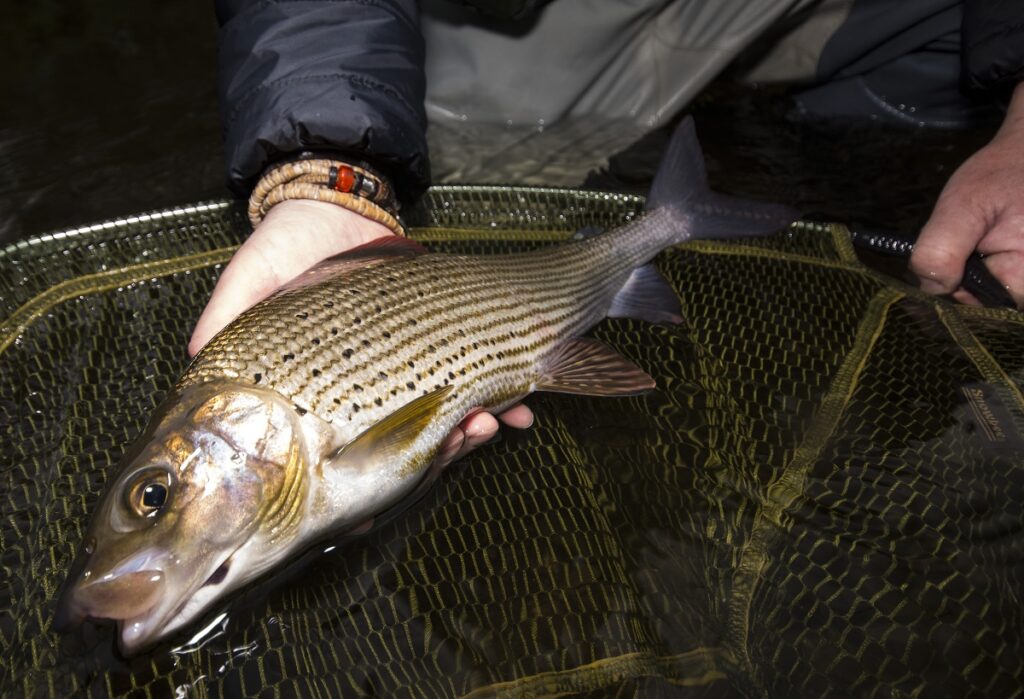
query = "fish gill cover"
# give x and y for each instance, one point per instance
(825, 493)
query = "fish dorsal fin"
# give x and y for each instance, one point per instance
(589, 368)
(378, 251)
(389, 438)
(647, 295)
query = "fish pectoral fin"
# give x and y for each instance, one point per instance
(647, 295)
(587, 367)
(392, 436)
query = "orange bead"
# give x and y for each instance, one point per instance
(345, 180)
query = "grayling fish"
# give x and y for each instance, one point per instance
(324, 405)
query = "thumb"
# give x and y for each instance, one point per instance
(946, 241)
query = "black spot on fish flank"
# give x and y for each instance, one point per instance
(381, 375)
(300, 410)
(410, 385)
(355, 407)
(302, 316)
(462, 333)
(394, 391)
(334, 331)
(387, 335)
(378, 401)
(316, 372)
(419, 376)
(451, 375)
(431, 348)
(376, 309)
(347, 353)
(357, 320)
(257, 377)
(366, 343)
(337, 401)
(357, 388)
(328, 304)
(287, 357)
(412, 321)
(411, 363)
(476, 345)
(316, 340)
(383, 293)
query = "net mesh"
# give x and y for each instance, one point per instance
(824, 495)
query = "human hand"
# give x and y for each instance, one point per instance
(294, 236)
(981, 208)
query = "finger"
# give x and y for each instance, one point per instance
(518, 416)
(1008, 268)
(965, 297)
(479, 429)
(949, 237)
(362, 528)
(450, 447)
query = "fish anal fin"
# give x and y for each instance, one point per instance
(647, 295)
(387, 439)
(587, 367)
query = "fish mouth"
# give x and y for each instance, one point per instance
(136, 633)
(143, 596)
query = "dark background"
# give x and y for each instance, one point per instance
(109, 109)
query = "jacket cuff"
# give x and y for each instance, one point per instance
(341, 77)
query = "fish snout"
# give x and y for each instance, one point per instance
(116, 597)
(122, 596)
(127, 591)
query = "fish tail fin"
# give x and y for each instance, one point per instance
(681, 187)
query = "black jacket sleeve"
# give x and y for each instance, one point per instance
(992, 40)
(323, 75)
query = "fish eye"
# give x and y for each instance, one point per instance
(148, 493)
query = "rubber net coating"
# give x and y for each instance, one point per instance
(825, 495)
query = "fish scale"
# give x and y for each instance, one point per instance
(327, 348)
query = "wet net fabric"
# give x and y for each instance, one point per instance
(824, 495)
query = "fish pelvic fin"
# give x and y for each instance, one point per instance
(587, 367)
(681, 187)
(390, 438)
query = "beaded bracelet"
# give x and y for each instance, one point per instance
(353, 187)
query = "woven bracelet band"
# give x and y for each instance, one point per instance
(352, 187)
